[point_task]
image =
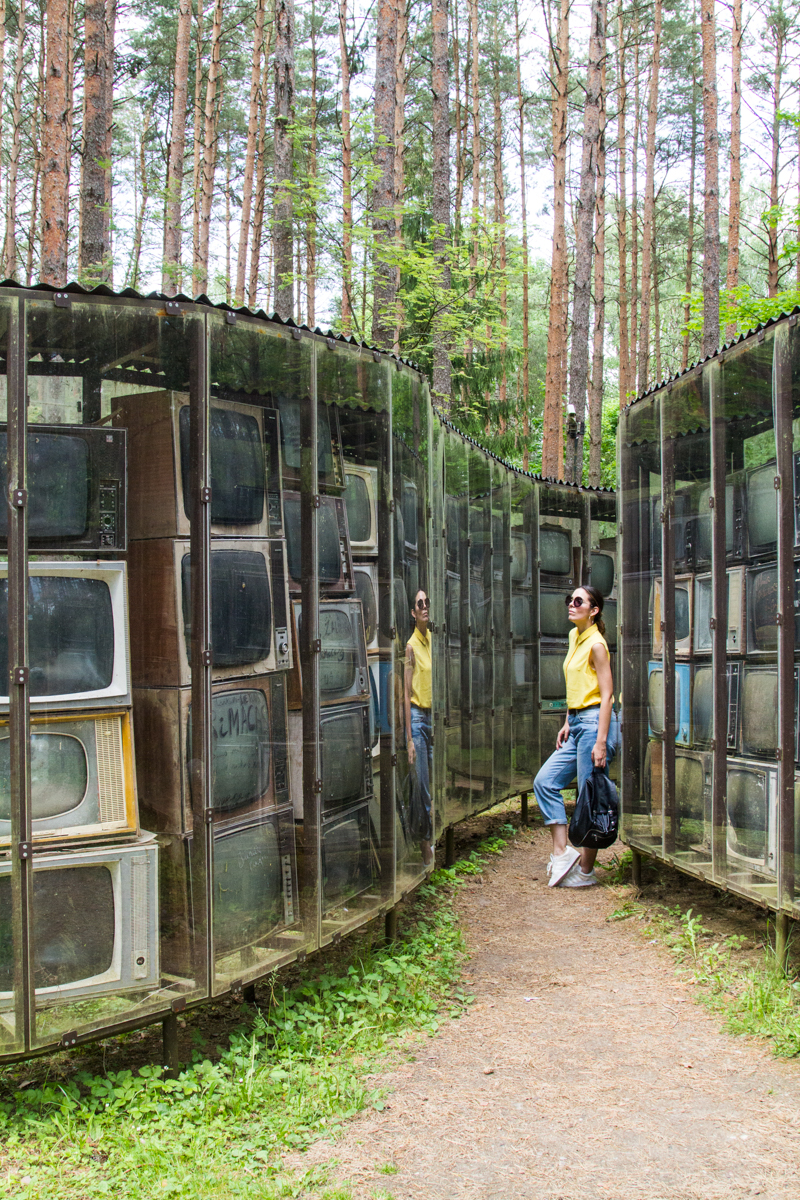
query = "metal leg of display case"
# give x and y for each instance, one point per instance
(523, 811)
(391, 926)
(449, 846)
(782, 924)
(249, 994)
(636, 868)
(169, 1035)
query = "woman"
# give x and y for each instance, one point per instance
(419, 731)
(587, 738)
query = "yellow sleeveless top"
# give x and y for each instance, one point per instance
(582, 687)
(421, 679)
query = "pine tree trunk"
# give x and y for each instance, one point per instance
(347, 177)
(458, 121)
(228, 219)
(582, 296)
(596, 386)
(311, 223)
(197, 149)
(633, 341)
(735, 184)
(261, 189)
(2, 62)
(94, 254)
(171, 268)
(399, 158)
(383, 194)
(55, 152)
(649, 204)
(687, 308)
(774, 172)
(136, 252)
(250, 154)
(284, 159)
(476, 158)
(526, 421)
(209, 149)
(500, 224)
(36, 124)
(553, 430)
(622, 221)
(111, 35)
(10, 253)
(440, 86)
(656, 318)
(711, 183)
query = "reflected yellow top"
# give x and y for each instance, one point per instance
(421, 679)
(583, 689)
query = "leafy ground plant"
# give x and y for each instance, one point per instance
(294, 1075)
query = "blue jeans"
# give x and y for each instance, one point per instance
(574, 757)
(421, 736)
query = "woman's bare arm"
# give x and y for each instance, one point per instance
(602, 666)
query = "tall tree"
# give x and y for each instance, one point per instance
(171, 267)
(476, 155)
(584, 236)
(210, 119)
(440, 85)
(625, 386)
(10, 249)
(400, 89)
(777, 27)
(687, 308)
(553, 427)
(311, 219)
(711, 182)
(525, 397)
(250, 154)
(347, 177)
(596, 384)
(94, 258)
(735, 185)
(284, 159)
(55, 151)
(261, 187)
(648, 226)
(197, 147)
(383, 194)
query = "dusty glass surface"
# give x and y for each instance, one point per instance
(524, 628)
(456, 627)
(507, 669)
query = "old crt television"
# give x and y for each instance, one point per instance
(95, 922)
(734, 524)
(346, 756)
(555, 556)
(365, 578)
(683, 701)
(343, 671)
(521, 559)
(521, 623)
(78, 647)
(759, 710)
(603, 573)
(610, 622)
(335, 562)
(480, 610)
(77, 489)
(330, 466)
(703, 705)
(378, 690)
(409, 507)
(683, 600)
(752, 809)
(82, 777)
(249, 769)
(762, 610)
(399, 628)
(244, 467)
(523, 666)
(255, 881)
(693, 791)
(552, 683)
(249, 608)
(736, 640)
(361, 502)
(553, 619)
(348, 858)
(452, 608)
(762, 511)
(549, 725)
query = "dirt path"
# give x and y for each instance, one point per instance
(606, 1080)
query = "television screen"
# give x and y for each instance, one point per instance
(346, 857)
(339, 656)
(762, 605)
(360, 496)
(552, 683)
(248, 886)
(403, 625)
(366, 592)
(408, 502)
(555, 551)
(328, 547)
(521, 616)
(690, 793)
(520, 558)
(748, 804)
(683, 624)
(553, 620)
(759, 706)
(610, 622)
(241, 741)
(762, 509)
(289, 408)
(343, 739)
(70, 634)
(603, 572)
(704, 534)
(655, 698)
(655, 695)
(241, 606)
(237, 466)
(703, 704)
(58, 486)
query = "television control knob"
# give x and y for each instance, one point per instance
(283, 648)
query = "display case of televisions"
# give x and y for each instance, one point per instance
(215, 530)
(710, 569)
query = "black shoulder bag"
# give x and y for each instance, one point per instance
(595, 821)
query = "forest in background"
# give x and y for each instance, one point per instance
(548, 207)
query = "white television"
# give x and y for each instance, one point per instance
(752, 811)
(361, 502)
(365, 578)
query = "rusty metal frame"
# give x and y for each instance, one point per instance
(784, 483)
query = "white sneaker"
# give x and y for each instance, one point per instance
(577, 877)
(560, 865)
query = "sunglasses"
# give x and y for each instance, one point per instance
(575, 601)
(423, 604)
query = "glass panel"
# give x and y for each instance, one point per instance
(501, 625)
(115, 934)
(524, 628)
(457, 621)
(480, 598)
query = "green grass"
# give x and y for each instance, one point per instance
(295, 1074)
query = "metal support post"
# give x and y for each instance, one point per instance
(391, 926)
(782, 939)
(169, 1034)
(449, 847)
(249, 994)
(636, 868)
(523, 813)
